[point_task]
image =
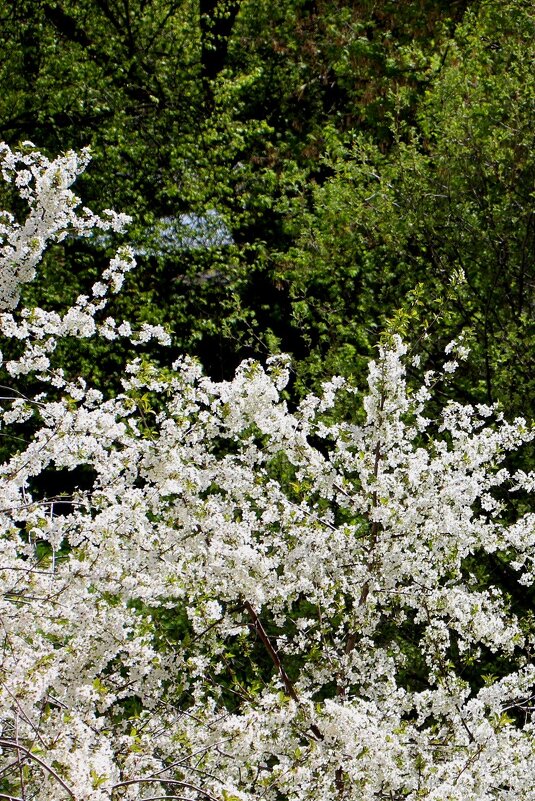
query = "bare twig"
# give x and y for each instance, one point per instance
(176, 782)
(10, 744)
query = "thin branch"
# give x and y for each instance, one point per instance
(260, 630)
(288, 685)
(178, 783)
(10, 744)
(167, 797)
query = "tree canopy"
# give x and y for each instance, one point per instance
(266, 439)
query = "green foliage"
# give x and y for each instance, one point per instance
(448, 209)
(238, 108)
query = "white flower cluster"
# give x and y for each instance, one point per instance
(53, 213)
(251, 603)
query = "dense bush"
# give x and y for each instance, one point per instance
(235, 600)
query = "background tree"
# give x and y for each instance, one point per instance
(446, 210)
(216, 118)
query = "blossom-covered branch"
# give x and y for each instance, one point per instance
(131, 666)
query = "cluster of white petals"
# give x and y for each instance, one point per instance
(53, 213)
(249, 602)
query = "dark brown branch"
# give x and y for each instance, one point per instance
(288, 685)
(67, 26)
(260, 630)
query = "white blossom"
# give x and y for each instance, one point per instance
(248, 602)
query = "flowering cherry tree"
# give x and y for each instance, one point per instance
(250, 601)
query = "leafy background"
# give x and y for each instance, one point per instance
(299, 173)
